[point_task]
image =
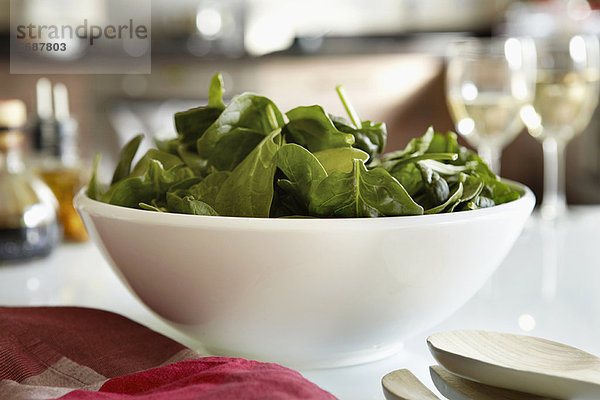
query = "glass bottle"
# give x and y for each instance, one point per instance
(28, 222)
(55, 139)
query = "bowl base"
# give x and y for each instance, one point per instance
(319, 361)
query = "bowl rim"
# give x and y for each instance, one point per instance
(84, 205)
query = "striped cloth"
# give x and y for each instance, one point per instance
(80, 353)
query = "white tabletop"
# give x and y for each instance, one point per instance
(548, 286)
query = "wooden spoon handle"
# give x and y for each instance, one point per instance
(403, 385)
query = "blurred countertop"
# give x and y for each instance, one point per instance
(548, 286)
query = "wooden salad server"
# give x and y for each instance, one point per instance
(518, 362)
(453, 387)
(403, 385)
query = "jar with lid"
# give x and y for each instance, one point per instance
(28, 220)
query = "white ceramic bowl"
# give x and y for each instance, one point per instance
(304, 292)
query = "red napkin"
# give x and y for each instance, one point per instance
(81, 353)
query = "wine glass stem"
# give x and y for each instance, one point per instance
(491, 155)
(554, 201)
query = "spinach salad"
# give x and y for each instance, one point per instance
(247, 159)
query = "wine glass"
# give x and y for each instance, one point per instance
(567, 92)
(488, 81)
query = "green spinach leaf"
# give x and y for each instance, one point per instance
(362, 193)
(125, 158)
(208, 189)
(415, 147)
(312, 128)
(409, 177)
(370, 137)
(192, 124)
(450, 203)
(196, 163)
(340, 158)
(248, 191)
(167, 161)
(95, 189)
(188, 205)
(153, 207)
(233, 148)
(436, 189)
(246, 113)
(302, 170)
(215, 92)
(152, 186)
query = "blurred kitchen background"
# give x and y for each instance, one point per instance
(388, 54)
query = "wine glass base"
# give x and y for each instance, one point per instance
(552, 211)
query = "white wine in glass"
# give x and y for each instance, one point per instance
(567, 91)
(488, 81)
